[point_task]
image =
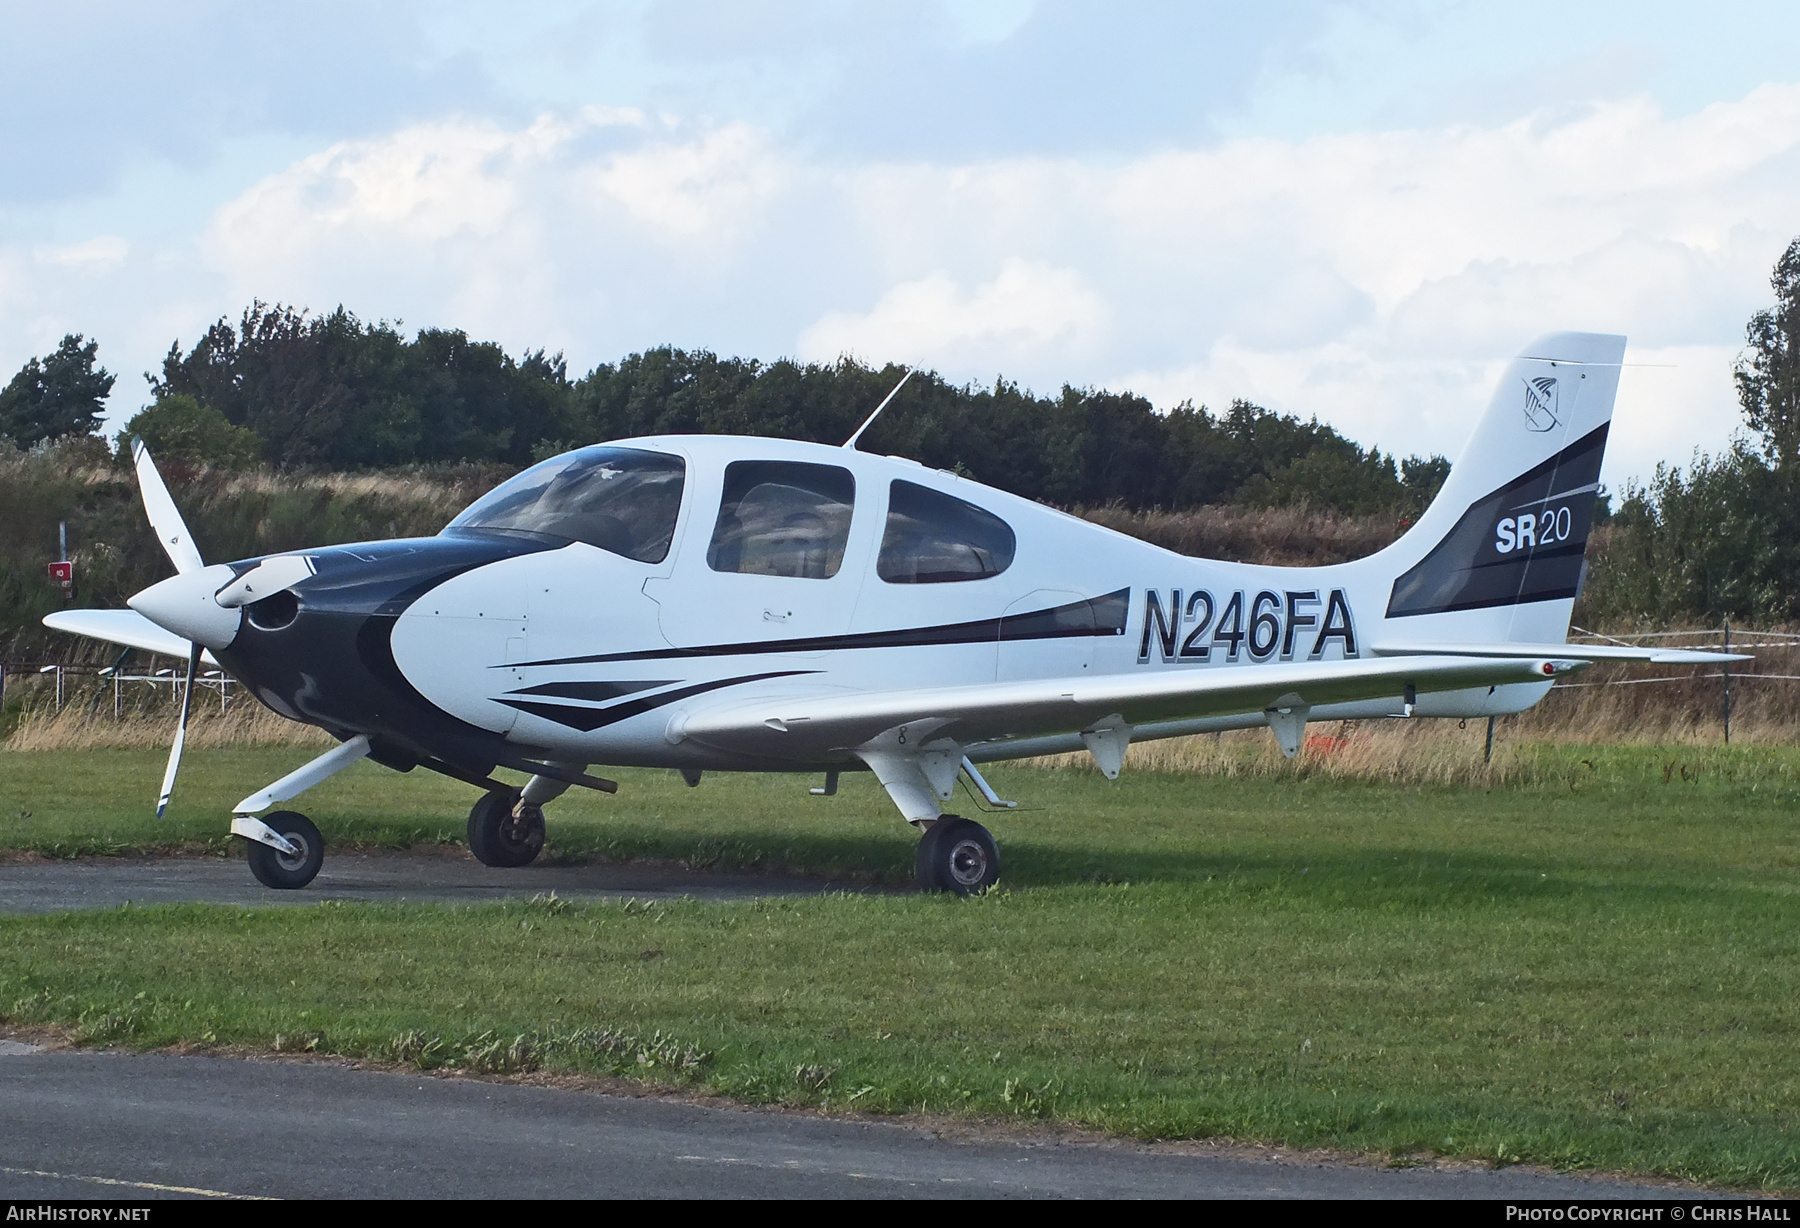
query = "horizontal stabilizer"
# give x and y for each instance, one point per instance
(124, 627)
(1564, 652)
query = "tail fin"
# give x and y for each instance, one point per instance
(1500, 550)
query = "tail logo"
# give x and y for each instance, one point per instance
(1540, 404)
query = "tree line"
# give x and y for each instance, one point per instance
(297, 391)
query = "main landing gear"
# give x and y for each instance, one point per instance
(957, 854)
(506, 831)
(920, 774)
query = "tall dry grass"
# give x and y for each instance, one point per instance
(85, 726)
(1620, 704)
(436, 492)
(1281, 536)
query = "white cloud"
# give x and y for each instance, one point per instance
(1672, 400)
(1377, 279)
(98, 255)
(1027, 310)
(519, 234)
(694, 190)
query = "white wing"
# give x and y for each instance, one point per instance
(786, 727)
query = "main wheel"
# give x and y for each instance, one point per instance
(288, 871)
(958, 855)
(505, 832)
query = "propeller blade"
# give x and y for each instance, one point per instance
(165, 520)
(265, 579)
(187, 703)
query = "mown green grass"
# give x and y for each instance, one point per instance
(1597, 968)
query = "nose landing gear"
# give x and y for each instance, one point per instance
(287, 871)
(957, 854)
(505, 831)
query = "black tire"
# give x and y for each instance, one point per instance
(958, 855)
(274, 868)
(504, 834)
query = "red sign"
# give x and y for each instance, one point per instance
(63, 573)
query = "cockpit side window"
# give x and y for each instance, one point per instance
(624, 500)
(935, 538)
(783, 518)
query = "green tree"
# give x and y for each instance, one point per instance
(333, 391)
(1701, 543)
(1768, 373)
(1423, 477)
(178, 428)
(63, 393)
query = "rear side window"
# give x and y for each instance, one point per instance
(934, 538)
(783, 518)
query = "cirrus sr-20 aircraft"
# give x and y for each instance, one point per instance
(726, 603)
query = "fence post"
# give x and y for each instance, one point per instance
(1487, 755)
(1727, 670)
(59, 688)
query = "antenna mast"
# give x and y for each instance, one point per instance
(867, 422)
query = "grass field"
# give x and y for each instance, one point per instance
(1595, 964)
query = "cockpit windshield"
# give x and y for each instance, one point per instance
(620, 499)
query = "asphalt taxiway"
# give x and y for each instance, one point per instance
(86, 1125)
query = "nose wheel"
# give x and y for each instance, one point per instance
(288, 871)
(957, 854)
(504, 831)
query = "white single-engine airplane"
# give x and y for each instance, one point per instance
(723, 603)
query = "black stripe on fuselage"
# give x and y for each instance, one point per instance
(589, 719)
(594, 692)
(1097, 616)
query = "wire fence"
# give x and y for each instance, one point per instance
(93, 682)
(1700, 638)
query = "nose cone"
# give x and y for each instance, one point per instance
(184, 604)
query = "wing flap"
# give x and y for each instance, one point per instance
(783, 726)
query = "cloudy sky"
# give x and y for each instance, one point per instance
(1352, 210)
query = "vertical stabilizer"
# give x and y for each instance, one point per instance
(1499, 552)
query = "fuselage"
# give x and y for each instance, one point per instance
(749, 566)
